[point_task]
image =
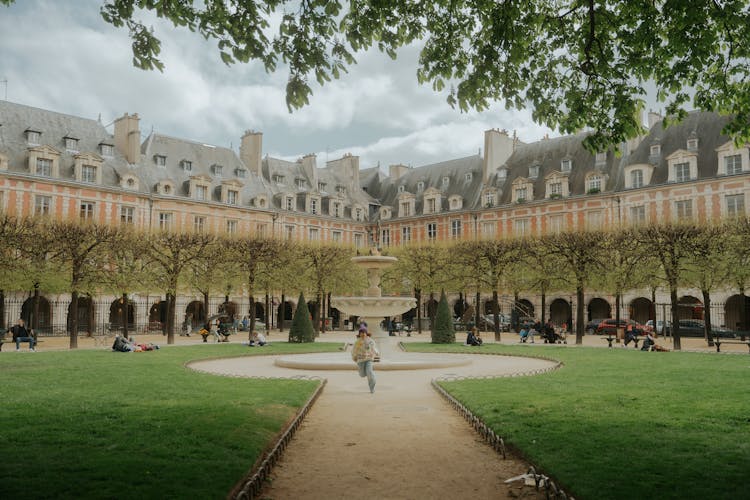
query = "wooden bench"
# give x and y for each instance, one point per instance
(718, 341)
(11, 341)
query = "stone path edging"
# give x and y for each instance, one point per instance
(252, 484)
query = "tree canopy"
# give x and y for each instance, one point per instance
(577, 64)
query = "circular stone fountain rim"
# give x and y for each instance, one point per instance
(374, 261)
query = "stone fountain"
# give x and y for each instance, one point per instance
(372, 308)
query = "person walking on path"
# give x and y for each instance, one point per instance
(21, 334)
(364, 353)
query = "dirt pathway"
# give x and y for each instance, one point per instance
(402, 442)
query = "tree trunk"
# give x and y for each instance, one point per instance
(2, 308)
(707, 330)
(580, 324)
(431, 310)
(743, 314)
(495, 315)
(35, 317)
(316, 313)
(251, 312)
(73, 320)
(617, 315)
(125, 311)
(544, 305)
(206, 312)
(282, 310)
(477, 312)
(675, 318)
(171, 303)
(418, 296)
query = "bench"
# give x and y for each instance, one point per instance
(610, 338)
(718, 341)
(11, 341)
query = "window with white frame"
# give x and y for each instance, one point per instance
(684, 209)
(186, 165)
(655, 150)
(127, 215)
(733, 164)
(321, 186)
(385, 237)
(232, 196)
(521, 193)
(521, 227)
(342, 190)
(601, 158)
(431, 206)
(594, 219)
(566, 165)
(534, 171)
(682, 172)
(489, 229)
(336, 236)
(358, 240)
(88, 173)
(278, 179)
(556, 223)
(217, 170)
(594, 183)
(455, 203)
(420, 186)
(289, 232)
(165, 220)
(405, 234)
(300, 183)
(467, 177)
(692, 144)
(44, 167)
(42, 205)
(240, 172)
(313, 234)
(313, 206)
(638, 214)
(405, 209)
(502, 173)
(431, 231)
(199, 224)
(33, 137)
(71, 144)
(107, 150)
(359, 214)
(555, 189)
(201, 193)
(160, 160)
(401, 189)
(456, 229)
(735, 205)
(636, 178)
(489, 199)
(261, 229)
(336, 212)
(232, 226)
(289, 203)
(446, 181)
(87, 210)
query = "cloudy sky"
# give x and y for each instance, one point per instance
(63, 57)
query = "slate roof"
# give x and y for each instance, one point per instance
(15, 119)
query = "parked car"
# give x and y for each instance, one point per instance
(487, 322)
(592, 325)
(609, 326)
(692, 328)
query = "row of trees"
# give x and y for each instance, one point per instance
(42, 254)
(67, 257)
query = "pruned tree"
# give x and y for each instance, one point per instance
(670, 244)
(79, 249)
(580, 254)
(302, 328)
(170, 254)
(442, 329)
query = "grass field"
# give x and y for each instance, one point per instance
(97, 424)
(623, 424)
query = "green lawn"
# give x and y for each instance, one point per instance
(616, 423)
(97, 424)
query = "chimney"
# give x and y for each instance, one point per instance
(251, 146)
(310, 166)
(128, 137)
(653, 118)
(497, 149)
(396, 171)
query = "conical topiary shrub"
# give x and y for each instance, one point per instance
(302, 328)
(442, 331)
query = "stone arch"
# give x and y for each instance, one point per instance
(284, 311)
(116, 312)
(459, 306)
(230, 309)
(689, 307)
(86, 314)
(44, 319)
(430, 307)
(560, 311)
(641, 310)
(195, 314)
(599, 308)
(260, 312)
(737, 313)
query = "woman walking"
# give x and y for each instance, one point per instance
(364, 353)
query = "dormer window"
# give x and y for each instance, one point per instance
(534, 171)
(167, 189)
(160, 160)
(502, 173)
(186, 165)
(107, 150)
(682, 172)
(467, 177)
(594, 184)
(733, 164)
(601, 158)
(566, 165)
(71, 144)
(401, 189)
(692, 142)
(336, 209)
(489, 199)
(314, 206)
(88, 173)
(44, 167)
(240, 172)
(278, 179)
(130, 183)
(217, 169)
(358, 214)
(341, 190)
(420, 186)
(232, 196)
(655, 150)
(289, 203)
(33, 137)
(636, 178)
(321, 186)
(446, 181)
(521, 194)
(201, 193)
(300, 183)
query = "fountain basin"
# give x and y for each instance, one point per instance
(342, 361)
(373, 306)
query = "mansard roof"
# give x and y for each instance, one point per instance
(705, 126)
(16, 119)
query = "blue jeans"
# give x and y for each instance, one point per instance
(30, 340)
(365, 370)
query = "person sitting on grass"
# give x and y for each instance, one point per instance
(473, 337)
(257, 339)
